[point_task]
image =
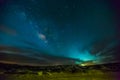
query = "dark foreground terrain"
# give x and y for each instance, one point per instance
(60, 72)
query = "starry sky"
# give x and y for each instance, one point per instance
(44, 32)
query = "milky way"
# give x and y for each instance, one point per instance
(76, 30)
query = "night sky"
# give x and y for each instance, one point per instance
(42, 32)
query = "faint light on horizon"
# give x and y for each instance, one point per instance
(83, 65)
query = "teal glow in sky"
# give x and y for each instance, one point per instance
(83, 55)
(75, 29)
